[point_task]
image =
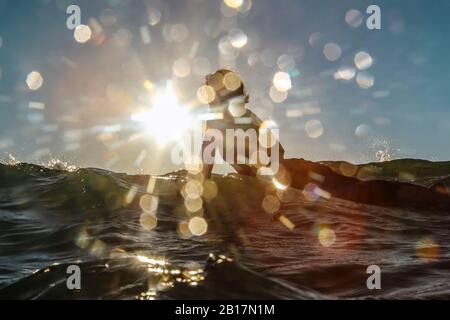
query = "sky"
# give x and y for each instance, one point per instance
(356, 94)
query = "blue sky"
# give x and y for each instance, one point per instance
(90, 88)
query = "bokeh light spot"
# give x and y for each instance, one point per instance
(232, 81)
(193, 204)
(198, 226)
(206, 94)
(286, 62)
(282, 81)
(183, 230)
(277, 96)
(365, 80)
(428, 250)
(271, 204)
(210, 189)
(332, 51)
(238, 38)
(148, 221)
(148, 203)
(181, 68)
(82, 33)
(345, 73)
(34, 80)
(327, 237)
(363, 131)
(154, 16)
(314, 128)
(237, 107)
(234, 4)
(363, 60)
(193, 189)
(353, 18)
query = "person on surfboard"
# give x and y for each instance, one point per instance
(229, 113)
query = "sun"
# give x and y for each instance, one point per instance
(166, 120)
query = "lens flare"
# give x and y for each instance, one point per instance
(279, 185)
(167, 120)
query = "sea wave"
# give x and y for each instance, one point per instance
(310, 248)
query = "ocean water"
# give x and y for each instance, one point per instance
(312, 248)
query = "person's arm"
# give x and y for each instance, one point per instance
(207, 167)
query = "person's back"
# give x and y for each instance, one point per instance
(231, 118)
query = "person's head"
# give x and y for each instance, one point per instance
(227, 85)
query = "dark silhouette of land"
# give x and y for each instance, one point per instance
(376, 191)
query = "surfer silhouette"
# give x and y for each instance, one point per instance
(229, 113)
